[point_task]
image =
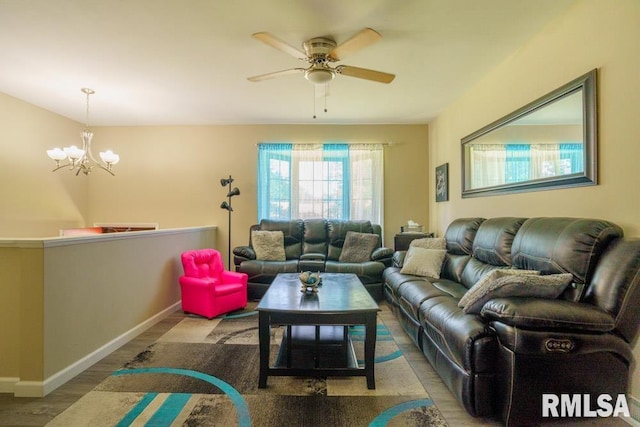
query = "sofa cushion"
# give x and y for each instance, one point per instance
(415, 292)
(358, 247)
(460, 235)
(315, 236)
(514, 285)
(563, 245)
(494, 239)
(369, 272)
(268, 245)
(474, 270)
(453, 267)
(423, 262)
(460, 338)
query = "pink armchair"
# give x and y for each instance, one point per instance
(207, 289)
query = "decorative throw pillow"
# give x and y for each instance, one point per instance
(546, 286)
(268, 245)
(423, 262)
(429, 243)
(358, 247)
(486, 280)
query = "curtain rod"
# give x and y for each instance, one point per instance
(385, 144)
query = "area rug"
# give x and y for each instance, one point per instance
(205, 373)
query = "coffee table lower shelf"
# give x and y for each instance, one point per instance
(314, 350)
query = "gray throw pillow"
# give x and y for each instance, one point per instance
(268, 245)
(485, 281)
(423, 262)
(358, 247)
(429, 243)
(547, 286)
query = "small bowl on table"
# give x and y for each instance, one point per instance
(310, 281)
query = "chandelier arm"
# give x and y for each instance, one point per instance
(106, 169)
(59, 166)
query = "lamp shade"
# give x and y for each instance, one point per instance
(73, 152)
(109, 157)
(56, 154)
(319, 75)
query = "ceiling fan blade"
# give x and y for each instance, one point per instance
(359, 41)
(279, 44)
(276, 74)
(364, 73)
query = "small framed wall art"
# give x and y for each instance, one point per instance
(442, 183)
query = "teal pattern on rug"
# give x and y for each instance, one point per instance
(386, 416)
(357, 333)
(204, 372)
(170, 410)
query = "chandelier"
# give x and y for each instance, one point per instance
(81, 159)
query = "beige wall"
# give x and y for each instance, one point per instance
(36, 202)
(593, 34)
(21, 312)
(115, 282)
(171, 175)
(67, 302)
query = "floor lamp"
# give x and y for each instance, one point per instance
(227, 205)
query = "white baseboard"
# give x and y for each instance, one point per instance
(7, 384)
(42, 388)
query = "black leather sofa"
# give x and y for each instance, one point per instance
(313, 245)
(498, 363)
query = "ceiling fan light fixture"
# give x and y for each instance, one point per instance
(319, 76)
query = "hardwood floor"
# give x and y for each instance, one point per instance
(18, 412)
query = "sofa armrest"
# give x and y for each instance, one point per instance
(382, 254)
(234, 276)
(243, 253)
(548, 314)
(199, 282)
(313, 257)
(398, 258)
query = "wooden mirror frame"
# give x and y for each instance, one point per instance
(588, 176)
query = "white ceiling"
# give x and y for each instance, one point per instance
(186, 62)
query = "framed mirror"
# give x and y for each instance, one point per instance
(549, 143)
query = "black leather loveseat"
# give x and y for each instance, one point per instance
(315, 245)
(500, 359)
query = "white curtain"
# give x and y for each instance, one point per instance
(367, 186)
(545, 160)
(487, 162)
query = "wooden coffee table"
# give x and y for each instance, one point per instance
(342, 300)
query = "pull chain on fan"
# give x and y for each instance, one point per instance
(324, 94)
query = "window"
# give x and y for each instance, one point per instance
(335, 181)
(517, 163)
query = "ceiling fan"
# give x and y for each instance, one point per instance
(319, 52)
